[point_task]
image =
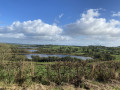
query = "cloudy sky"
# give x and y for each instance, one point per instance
(63, 22)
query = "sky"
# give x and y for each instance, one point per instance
(61, 22)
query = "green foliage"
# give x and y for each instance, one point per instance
(16, 49)
(15, 69)
(103, 57)
(96, 52)
(5, 52)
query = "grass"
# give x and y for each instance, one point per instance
(117, 57)
(59, 73)
(43, 63)
(21, 72)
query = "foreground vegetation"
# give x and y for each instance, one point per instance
(18, 70)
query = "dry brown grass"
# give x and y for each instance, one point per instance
(88, 85)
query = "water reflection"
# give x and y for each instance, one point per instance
(48, 55)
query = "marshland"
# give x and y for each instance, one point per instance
(100, 71)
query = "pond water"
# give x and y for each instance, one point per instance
(32, 50)
(28, 47)
(60, 56)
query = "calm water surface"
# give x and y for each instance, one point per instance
(32, 49)
(60, 56)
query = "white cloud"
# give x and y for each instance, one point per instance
(91, 26)
(89, 29)
(33, 30)
(57, 20)
(12, 35)
(116, 14)
(61, 15)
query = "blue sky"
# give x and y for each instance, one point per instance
(64, 22)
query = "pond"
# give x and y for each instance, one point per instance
(60, 56)
(28, 47)
(31, 50)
